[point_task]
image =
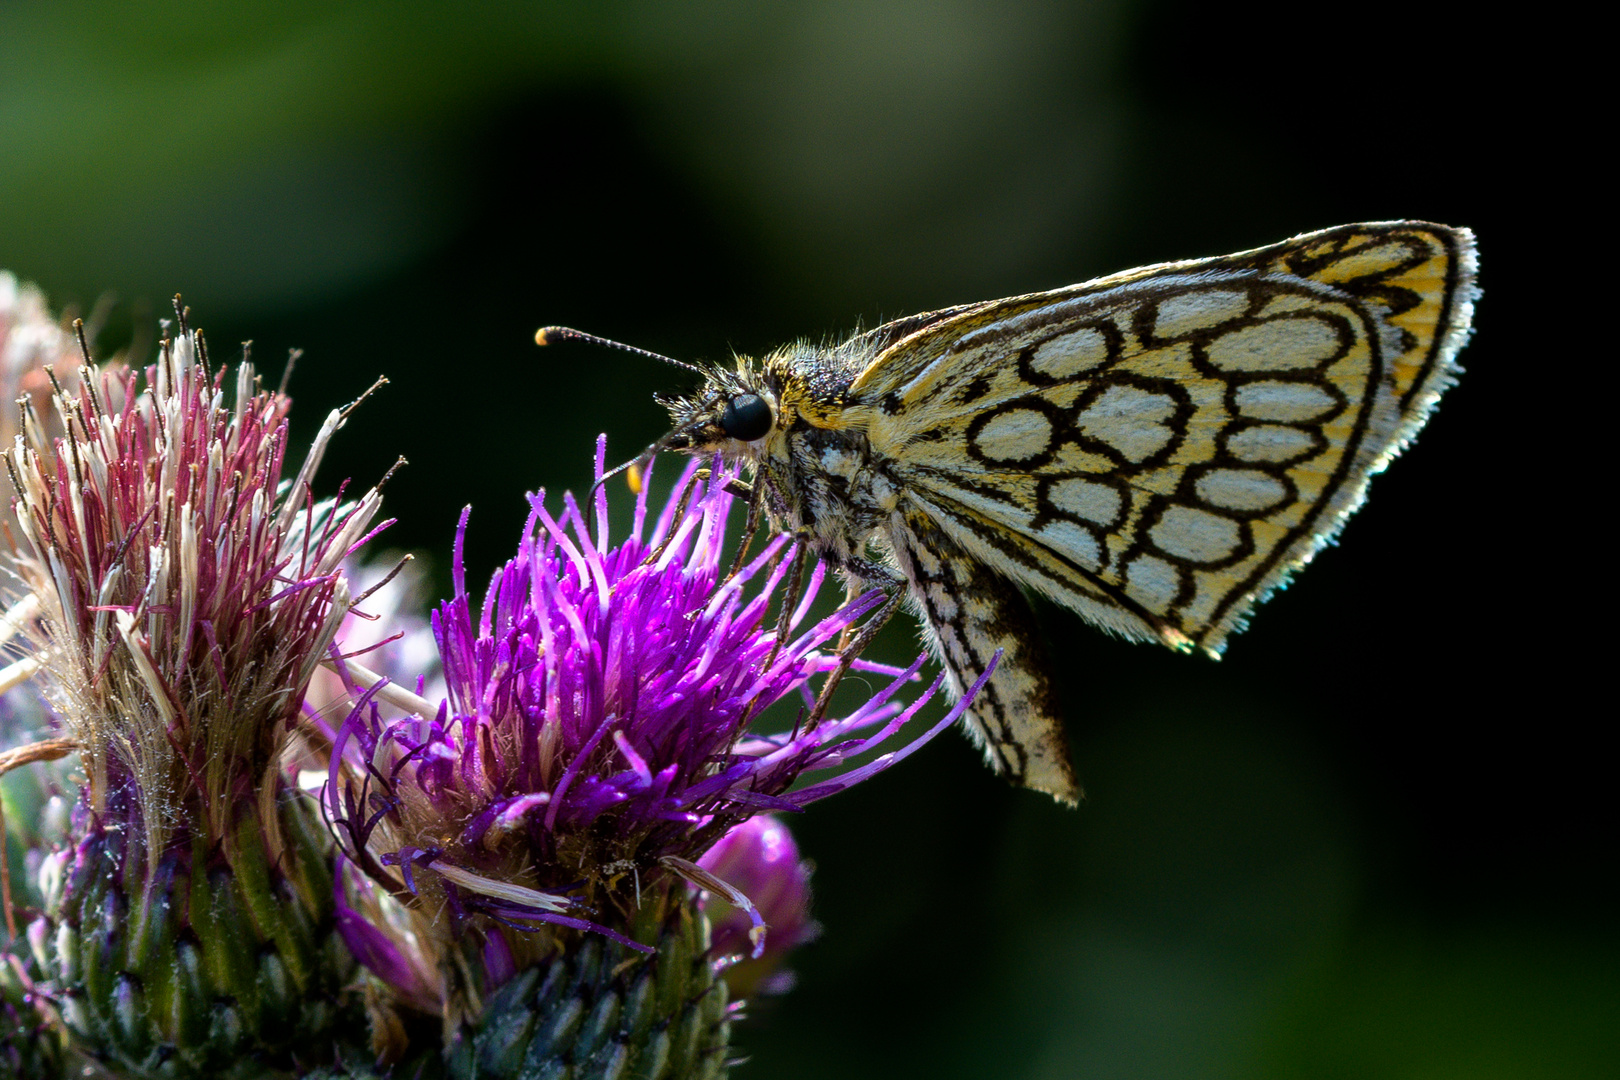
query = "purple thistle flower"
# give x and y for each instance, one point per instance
(599, 733)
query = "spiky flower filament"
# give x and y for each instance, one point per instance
(187, 590)
(601, 725)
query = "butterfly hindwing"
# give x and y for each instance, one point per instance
(967, 617)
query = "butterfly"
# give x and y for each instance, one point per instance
(1157, 450)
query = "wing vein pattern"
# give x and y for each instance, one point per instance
(1160, 449)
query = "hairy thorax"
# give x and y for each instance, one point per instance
(822, 475)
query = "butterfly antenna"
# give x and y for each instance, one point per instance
(550, 335)
(638, 463)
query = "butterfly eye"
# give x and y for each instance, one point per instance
(747, 417)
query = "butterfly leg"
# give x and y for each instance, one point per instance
(754, 493)
(734, 486)
(851, 645)
(968, 612)
(675, 519)
(791, 595)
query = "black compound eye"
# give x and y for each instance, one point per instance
(747, 417)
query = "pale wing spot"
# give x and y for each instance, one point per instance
(1241, 489)
(1086, 499)
(1130, 420)
(1287, 303)
(978, 612)
(1289, 343)
(1014, 435)
(1199, 310)
(1365, 262)
(992, 506)
(1153, 583)
(1269, 443)
(884, 493)
(840, 462)
(1282, 402)
(929, 563)
(1198, 536)
(1212, 587)
(944, 601)
(1068, 355)
(1074, 541)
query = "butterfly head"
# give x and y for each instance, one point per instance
(733, 414)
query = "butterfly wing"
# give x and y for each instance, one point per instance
(1160, 449)
(968, 616)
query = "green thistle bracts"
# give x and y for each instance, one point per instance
(223, 963)
(31, 1046)
(601, 1011)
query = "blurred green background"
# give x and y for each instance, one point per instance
(1375, 841)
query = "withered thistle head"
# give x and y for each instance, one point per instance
(31, 340)
(187, 589)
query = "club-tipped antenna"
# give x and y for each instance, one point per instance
(550, 335)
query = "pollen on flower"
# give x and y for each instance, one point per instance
(601, 725)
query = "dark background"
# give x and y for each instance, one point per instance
(1374, 841)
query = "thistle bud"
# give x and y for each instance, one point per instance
(760, 859)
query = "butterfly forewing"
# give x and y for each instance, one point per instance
(1159, 449)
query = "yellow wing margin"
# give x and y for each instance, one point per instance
(1419, 276)
(1418, 281)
